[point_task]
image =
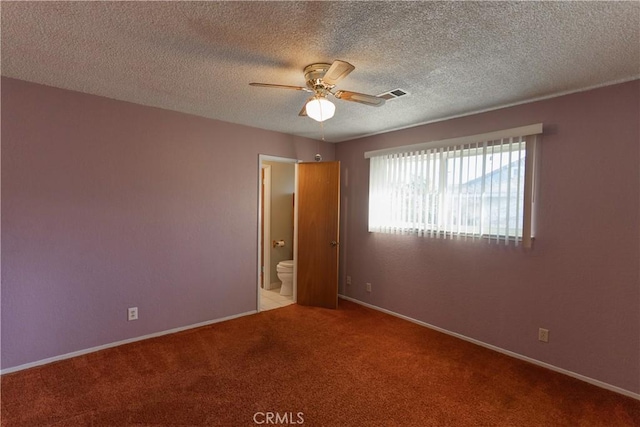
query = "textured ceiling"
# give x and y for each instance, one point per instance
(453, 58)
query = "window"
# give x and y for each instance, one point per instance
(474, 187)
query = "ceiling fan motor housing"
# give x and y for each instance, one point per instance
(314, 74)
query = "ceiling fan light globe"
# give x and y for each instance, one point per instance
(320, 109)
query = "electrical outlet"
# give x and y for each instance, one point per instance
(368, 287)
(348, 280)
(543, 335)
(132, 313)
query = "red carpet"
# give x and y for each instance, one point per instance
(306, 366)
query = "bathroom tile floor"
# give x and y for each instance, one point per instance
(271, 298)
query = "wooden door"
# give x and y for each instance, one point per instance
(318, 207)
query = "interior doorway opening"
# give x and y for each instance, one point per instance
(277, 183)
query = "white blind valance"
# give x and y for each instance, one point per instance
(474, 187)
(535, 129)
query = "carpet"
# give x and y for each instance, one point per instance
(306, 366)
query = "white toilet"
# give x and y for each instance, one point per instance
(285, 274)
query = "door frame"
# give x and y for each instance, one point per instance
(265, 244)
(266, 224)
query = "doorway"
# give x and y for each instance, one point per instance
(276, 230)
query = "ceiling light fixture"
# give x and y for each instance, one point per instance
(320, 108)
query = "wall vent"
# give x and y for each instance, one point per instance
(393, 94)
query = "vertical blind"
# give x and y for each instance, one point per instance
(466, 191)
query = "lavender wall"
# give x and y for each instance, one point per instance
(108, 205)
(581, 280)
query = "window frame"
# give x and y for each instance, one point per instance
(465, 147)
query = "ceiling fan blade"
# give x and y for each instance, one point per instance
(280, 86)
(303, 112)
(338, 71)
(362, 98)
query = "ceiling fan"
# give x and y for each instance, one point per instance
(321, 80)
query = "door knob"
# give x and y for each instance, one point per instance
(333, 243)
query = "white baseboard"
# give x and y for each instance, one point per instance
(501, 350)
(118, 343)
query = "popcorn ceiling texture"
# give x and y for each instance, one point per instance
(453, 58)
